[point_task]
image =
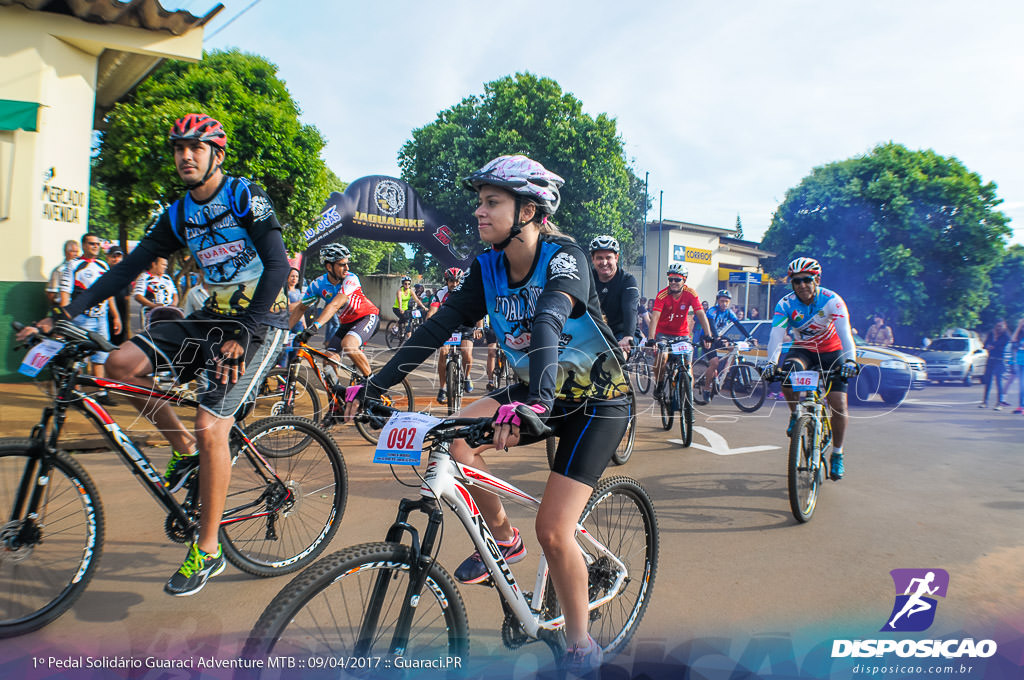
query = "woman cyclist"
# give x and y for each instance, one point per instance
(536, 288)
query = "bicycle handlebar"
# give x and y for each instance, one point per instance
(83, 342)
(476, 431)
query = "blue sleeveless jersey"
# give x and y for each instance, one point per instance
(588, 364)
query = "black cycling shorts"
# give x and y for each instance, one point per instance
(191, 347)
(812, 360)
(364, 327)
(588, 432)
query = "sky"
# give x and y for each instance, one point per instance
(726, 104)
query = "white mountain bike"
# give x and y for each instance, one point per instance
(392, 599)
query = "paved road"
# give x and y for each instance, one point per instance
(934, 483)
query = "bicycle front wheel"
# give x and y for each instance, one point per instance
(746, 387)
(282, 513)
(400, 396)
(393, 335)
(348, 605)
(805, 474)
(46, 562)
(620, 516)
(641, 372)
(686, 412)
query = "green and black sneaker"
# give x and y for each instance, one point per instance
(179, 469)
(198, 568)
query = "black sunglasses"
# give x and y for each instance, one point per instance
(674, 279)
(801, 279)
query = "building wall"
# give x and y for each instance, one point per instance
(51, 60)
(700, 251)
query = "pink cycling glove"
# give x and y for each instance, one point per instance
(507, 413)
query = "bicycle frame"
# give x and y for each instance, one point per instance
(448, 480)
(136, 461)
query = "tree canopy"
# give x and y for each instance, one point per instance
(909, 233)
(266, 141)
(1006, 300)
(530, 115)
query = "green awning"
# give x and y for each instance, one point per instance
(15, 115)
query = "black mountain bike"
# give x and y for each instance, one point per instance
(676, 388)
(454, 373)
(281, 511)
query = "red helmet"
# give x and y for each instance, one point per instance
(453, 273)
(200, 127)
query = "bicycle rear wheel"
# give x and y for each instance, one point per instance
(46, 562)
(347, 605)
(686, 410)
(700, 381)
(275, 526)
(625, 449)
(400, 396)
(453, 383)
(667, 397)
(393, 336)
(805, 476)
(273, 398)
(620, 516)
(746, 387)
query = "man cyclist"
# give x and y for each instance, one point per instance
(669, 319)
(230, 228)
(720, 316)
(339, 288)
(452, 282)
(616, 290)
(819, 322)
(402, 306)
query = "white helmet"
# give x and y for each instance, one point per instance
(604, 243)
(332, 252)
(679, 268)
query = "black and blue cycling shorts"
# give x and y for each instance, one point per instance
(588, 432)
(810, 361)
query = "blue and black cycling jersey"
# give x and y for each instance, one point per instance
(588, 362)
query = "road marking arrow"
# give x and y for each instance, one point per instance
(718, 446)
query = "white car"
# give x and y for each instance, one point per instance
(887, 372)
(957, 358)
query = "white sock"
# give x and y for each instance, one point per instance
(837, 451)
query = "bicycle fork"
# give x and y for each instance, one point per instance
(421, 559)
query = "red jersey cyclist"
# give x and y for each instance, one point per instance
(817, 319)
(670, 319)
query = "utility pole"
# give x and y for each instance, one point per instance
(661, 228)
(643, 272)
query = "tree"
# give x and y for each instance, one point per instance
(909, 233)
(1006, 299)
(266, 141)
(530, 115)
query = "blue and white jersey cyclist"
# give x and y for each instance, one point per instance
(536, 288)
(819, 323)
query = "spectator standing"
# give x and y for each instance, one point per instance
(71, 252)
(1018, 360)
(79, 275)
(754, 314)
(880, 334)
(996, 342)
(740, 314)
(114, 257)
(196, 296)
(155, 289)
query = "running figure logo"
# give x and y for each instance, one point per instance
(914, 609)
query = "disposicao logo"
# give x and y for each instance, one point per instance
(916, 590)
(914, 611)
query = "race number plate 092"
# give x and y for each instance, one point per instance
(456, 339)
(401, 440)
(804, 381)
(39, 356)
